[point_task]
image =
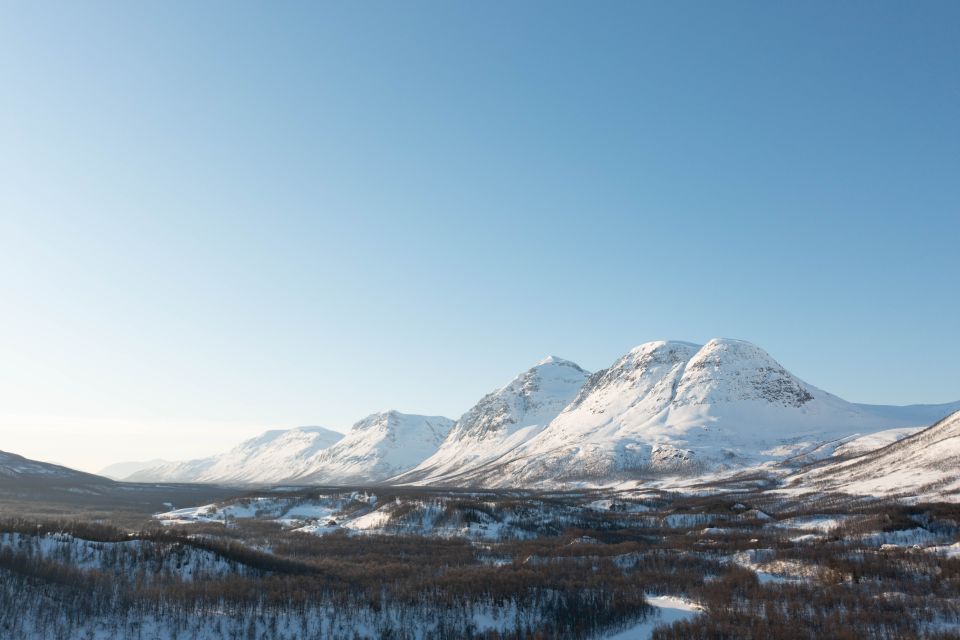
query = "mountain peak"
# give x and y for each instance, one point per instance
(655, 345)
(503, 419)
(670, 404)
(380, 445)
(554, 360)
(664, 406)
(269, 457)
(386, 420)
(733, 342)
(314, 429)
(735, 348)
(727, 370)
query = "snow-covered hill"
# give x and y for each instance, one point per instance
(677, 406)
(121, 470)
(16, 470)
(273, 456)
(665, 407)
(184, 471)
(378, 447)
(501, 421)
(924, 466)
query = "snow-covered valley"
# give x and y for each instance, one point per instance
(429, 564)
(686, 491)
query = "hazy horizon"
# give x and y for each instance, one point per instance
(214, 223)
(35, 433)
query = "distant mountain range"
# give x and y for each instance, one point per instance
(121, 470)
(662, 408)
(273, 456)
(376, 448)
(15, 470)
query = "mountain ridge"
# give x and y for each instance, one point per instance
(921, 466)
(674, 406)
(664, 407)
(376, 448)
(503, 419)
(268, 457)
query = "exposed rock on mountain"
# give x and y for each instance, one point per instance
(501, 421)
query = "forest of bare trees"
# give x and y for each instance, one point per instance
(254, 578)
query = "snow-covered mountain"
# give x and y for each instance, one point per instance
(924, 466)
(501, 421)
(15, 470)
(677, 406)
(273, 456)
(921, 415)
(378, 447)
(664, 407)
(121, 470)
(183, 471)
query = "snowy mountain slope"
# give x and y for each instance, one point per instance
(17, 470)
(501, 421)
(378, 447)
(676, 406)
(31, 484)
(184, 471)
(665, 407)
(873, 441)
(273, 456)
(121, 470)
(924, 466)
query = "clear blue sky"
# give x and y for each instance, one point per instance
(221, 217)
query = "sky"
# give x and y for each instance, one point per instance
(218, 218)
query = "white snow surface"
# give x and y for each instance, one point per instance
(501, 421)
(873, 441)
(666, 409)
(273, 456)
(378, 447)
(676, 406)
(924, 466)
(947, 550)
(287, 511)
(667, 610)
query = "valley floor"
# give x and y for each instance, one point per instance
(431, 564)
